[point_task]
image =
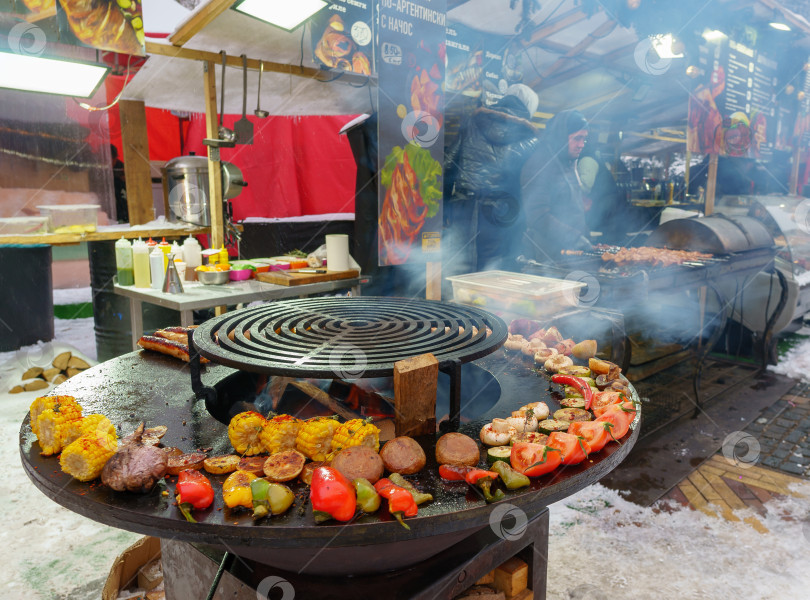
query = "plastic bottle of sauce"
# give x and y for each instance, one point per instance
(123, 262)
(156, 268)
(178, 252)
(192, 252)
(165, 247)
(223, 256)
(140, 263)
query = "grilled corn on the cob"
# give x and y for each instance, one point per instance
(314, 440)
(97, 424)
(245, 430)
(279, 433)
(356, 432)
(43, 402)
(84, 458)
(53, 425)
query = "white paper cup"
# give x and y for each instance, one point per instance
(337, 252)
(181, 269)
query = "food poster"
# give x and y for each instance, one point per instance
(114, 25)
(410, 70)
(479, 63)
(28, 26)
(342, 36)
(734, 111)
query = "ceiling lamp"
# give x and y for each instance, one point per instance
(663, 45)
(64, 77)
(281, 13)
(713, 35)
(779, 26)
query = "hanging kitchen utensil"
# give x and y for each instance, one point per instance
(262, 114)
(243, 127)
(224, 134)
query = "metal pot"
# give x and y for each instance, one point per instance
(185, 184)
(232, 181)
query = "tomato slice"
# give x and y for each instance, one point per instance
(620, 416)
(601, 400)
(534, 460)
(574, 449)
(595, 433)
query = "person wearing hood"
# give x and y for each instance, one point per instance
(551, 192)
(482, 213)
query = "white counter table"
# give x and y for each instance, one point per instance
(197, 296)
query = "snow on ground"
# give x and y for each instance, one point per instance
(601, 546)
(72, 295)
(795, 363)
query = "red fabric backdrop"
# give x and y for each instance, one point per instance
(296, 165)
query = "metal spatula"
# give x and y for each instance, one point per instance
(243, 127)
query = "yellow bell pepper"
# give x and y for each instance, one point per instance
(236, 490)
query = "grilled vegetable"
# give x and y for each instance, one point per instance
(54, 424)
(314, 440)
(44, 402)
(454, 472)
(245, 431)
(194, 492)
(418, 497)
(219, 465)
(534, 460)
(551, 425)
(573, 402)
(574, 449)
(511, 478)
(581, 386)
(356, 432)
(270, 498)
(404, 455)
(400, 501)
(284, 466)
(485, 485)
(571, 415)
(332, 496)
(84, 458)
(498, 453)
(236, 490)
(193, 461)
(279, 433)
(359, 462)
(368, 500)
(530, 436)
(596, 434)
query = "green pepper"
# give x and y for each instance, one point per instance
(368, 500)
(270, 498)
(418, 497)
(485, 483)
(511, 478)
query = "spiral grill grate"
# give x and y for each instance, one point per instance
(346, 338)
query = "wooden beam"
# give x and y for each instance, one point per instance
(199, 20)
(601, 31)
(794, 172)
(609, 97)
(564, 20)
(608, 61)
(214, 166)
(158, 49)
(136, 161)
(652, 136)
(711, 185)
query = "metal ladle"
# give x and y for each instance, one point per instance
(262, 114)
(223, 132)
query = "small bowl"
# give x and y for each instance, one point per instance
(240, 274)
(213, 277)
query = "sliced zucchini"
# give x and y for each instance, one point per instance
(571, 415)
(498, 453)
(573, 402)
(576, 371)
(534, 437)
(549, 426)
(571, 392)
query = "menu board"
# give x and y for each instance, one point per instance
(479, 63)
(735, 112)
(410, 68)
(342, 36)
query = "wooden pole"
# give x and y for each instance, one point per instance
(711, 185)
(136, 161)
(214, 164)
(688, 159)
(794, 172)
(433, 281)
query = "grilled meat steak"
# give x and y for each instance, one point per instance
(135, 467)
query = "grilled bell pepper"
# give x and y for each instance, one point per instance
(581, 386)
(511, 478)
(400, 502)
(194, 491)
(475, 475)
(418, 497)
(270, 498)
(485, 484)
(454, 472)
(332, 495)
(236, 489)
(368, 500)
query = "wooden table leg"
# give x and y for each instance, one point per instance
(135, 321)
(186, 318)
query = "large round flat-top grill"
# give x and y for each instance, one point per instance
(347, 337)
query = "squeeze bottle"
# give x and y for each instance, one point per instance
(140, 263)
(156, 268)
(123, 262)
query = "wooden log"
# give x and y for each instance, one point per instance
(415, 383)
(512, 577)
(137, 169)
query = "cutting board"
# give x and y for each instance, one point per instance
(294, 277)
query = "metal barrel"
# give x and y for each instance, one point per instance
(26, 304)
(111, 315)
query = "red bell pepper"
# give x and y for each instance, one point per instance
(454, 472)
(581, 386)
(472, 477)
(332, 495)
(595, 434)
(574, 449)
(194, 492)
(534, 460)
(400, 501)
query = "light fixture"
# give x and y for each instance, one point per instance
(713, 35)
(779, 26)
(281, 13)
(64, 77)
(663, 45)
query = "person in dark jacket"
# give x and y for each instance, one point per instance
(552, 195)
(482, 212)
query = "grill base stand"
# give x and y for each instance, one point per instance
(190, 569)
